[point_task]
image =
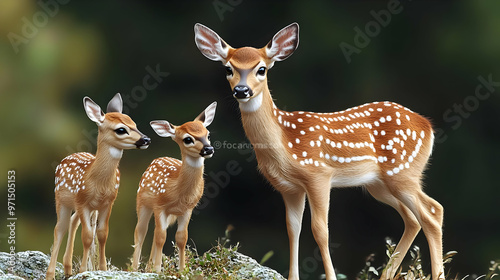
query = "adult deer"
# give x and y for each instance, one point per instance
(86, 183)
(171, 188)
(381, 146)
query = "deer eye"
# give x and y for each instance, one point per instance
(188, 140)
(121, 131)
(261, 71)
(229, 71)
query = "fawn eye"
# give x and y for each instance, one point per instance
(261, 71)
(229, 71)
(208, 137)
(121, 131)
(188, 140)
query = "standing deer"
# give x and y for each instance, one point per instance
(171, 188)
(381, 146)
(86, 183)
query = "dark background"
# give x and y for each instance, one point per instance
(429, 57)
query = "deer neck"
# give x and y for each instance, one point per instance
(261, 126)
(102, 172)
(191, 175)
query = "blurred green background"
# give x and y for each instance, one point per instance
(429, 56)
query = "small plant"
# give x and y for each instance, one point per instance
(414, 272)
(213, 264)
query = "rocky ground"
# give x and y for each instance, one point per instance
(33, 265)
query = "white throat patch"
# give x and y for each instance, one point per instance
(115, 153)
(251, 104)
(195, 162)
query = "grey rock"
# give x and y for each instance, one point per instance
(110, 275)
(251, 269)
(27, 265)
(33, 265)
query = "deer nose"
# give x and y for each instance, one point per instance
(242, 92)
(143, 143)
(207, 151)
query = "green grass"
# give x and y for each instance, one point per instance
(217, 264)
(413, 271)
(213, 264)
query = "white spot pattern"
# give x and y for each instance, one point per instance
(364, 133)
(70, 172)
(155, 178)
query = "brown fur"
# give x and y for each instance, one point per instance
(170, 189)
(86, 183)
(295, 152)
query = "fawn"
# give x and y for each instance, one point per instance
(85, 183)
(171, 188)
(382, 146)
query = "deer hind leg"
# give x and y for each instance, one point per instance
(68, 255)
(143, 217)
(102, 235)
(294, 204)
(319, 203)
(63, 220)
(429, 214)
(87, 236)
(412, 227)
(181, 237)
(160, 235)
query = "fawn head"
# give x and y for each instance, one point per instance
(192, 137)
(115, 129)
(246, 68)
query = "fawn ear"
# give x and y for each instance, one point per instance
(207, 116)
(93, 110)
(284, 43)
(210, 44)
(116, 104)
(163, 128)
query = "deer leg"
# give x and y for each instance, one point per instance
(68, 255)
(152, 254)
(294, 204)
(181, 237)
(412, 227)
(102, 235)
(87, 237)
(143, 217)
(429, 214)
(63, 220)
(160, 236)
(319, 203)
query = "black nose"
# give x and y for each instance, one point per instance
(207, 150)
(144, 141)
(242, 92)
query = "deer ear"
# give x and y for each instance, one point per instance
(210, 44)
(207, 116)
(163, 128)
(116, 104)
(284, 43)
(93, 110)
